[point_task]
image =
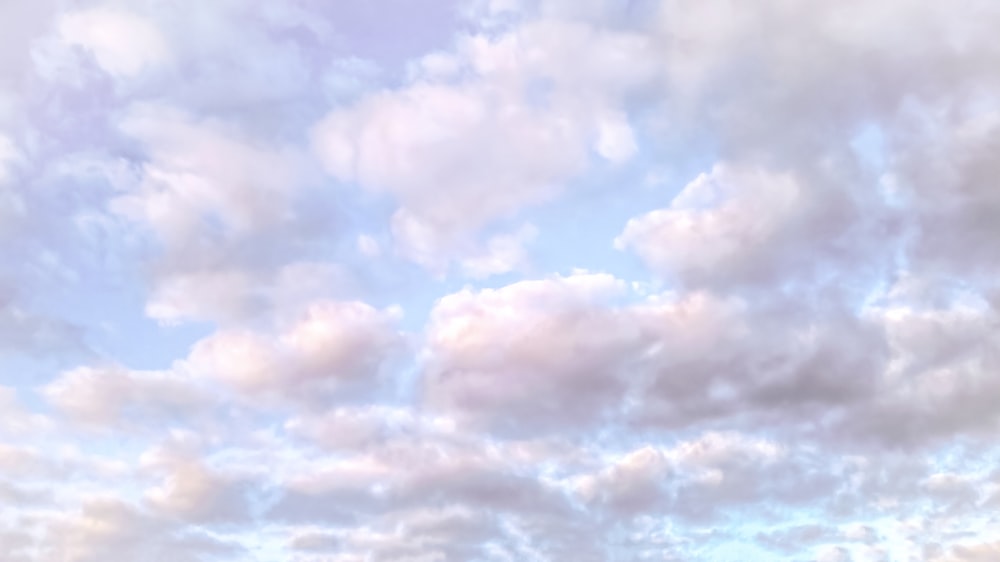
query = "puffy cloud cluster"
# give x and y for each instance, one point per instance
(122, 43)
(477, 134)
(559, 353)
(333, 346)
(740, 225)
(287, 282)
(107, 395)
(536, 353)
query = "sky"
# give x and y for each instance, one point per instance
(499, 281)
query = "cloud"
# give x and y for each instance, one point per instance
(200, 170)
(333, 347)
(368, 246)
(454, 162)
(26, 22)
(722, 357)
(309, 540)
(449, 534)
(721, 473)
(973, 552)
(504, 253)
(107, 527)
(401, 473)
(27, 331)
(226, 210)
(937, 376)
(795, 539)
(209, 213)
(123, 43)
(446, 137)
(10, 156)
(559, 353)
(420, 489)
(107, 396)
(191, 490)
(352, 429)
(742, 71)
(536, 354)
(740, 225)
(632, 485)
(943, 173)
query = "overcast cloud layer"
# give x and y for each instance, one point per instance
(499, 280)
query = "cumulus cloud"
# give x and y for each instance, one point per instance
(633, 484)
(122, 43)
(191, 490)
(539, 353)
(447, 138)
(502, 356)
(108, 396)
(333, 350)
(739, 225)
(944, 172)
(936, 377)
(333, 347)
(973, 552)
(504, 253)
(499, 280)
(107, 527)
(461, 150)
(220, 205)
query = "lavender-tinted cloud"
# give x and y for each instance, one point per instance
(278, 281)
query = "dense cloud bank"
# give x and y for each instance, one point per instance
(500, 280)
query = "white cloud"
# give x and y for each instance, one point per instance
(981, 552)
(351, 428)
(107, 527)
(202, 362)
(945, 171)
(447, 155)
(368, 246)
(201, 295)
(532, 354)
(223, 206)
(204, 171)
(109, 396)
(559, 353)
(744, 225)
(938, 376)
(9, 157)
(616, 141)
(634, 484)
(232, 295)
(123, 43)
(459, 155)
(333, 347)
(12, 206)
(191, 490)
(503, 253)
